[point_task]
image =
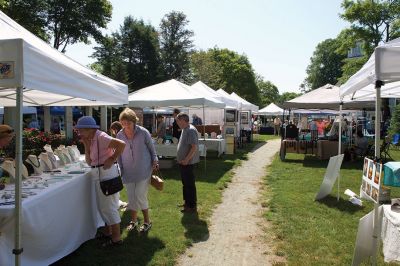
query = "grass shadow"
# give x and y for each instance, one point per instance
(196, 229)
(342, 205)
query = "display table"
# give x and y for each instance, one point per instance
(170, 150)
(218, 145)
(390, 234)
(392, 174)
(55, 221)
(327, 148)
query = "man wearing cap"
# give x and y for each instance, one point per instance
(101, 152)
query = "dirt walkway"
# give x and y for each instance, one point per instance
(236, 230)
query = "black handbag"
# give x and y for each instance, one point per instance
(111, 186)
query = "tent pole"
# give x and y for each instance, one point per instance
(205, 146)
(340, 145)
(376, 233)
(18, 182)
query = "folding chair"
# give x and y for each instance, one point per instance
(385, 150)
(396, 140)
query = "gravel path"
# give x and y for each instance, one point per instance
(236, 230)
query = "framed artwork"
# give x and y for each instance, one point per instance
(244, 117)
(371, 179)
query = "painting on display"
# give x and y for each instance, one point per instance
(371, 179)
(244, 117)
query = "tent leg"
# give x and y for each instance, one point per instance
(18, 180)
(340, 146)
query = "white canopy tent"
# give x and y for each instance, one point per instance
(325, 97)
(271, 109)
(34, 73)
(48, 76)
(213, 115)
(245, 104)
(171, 93)
(381, 74)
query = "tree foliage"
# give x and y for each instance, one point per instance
(287, 96)
(139, 46)
(269, 93)
(176, 45)
(131, 54)
(325, 65)
(63, 22)
(203, 67)
(372, 21)
(395, 121)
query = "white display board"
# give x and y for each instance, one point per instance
(331, 174)
(371, 180)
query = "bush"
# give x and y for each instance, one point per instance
(34, 140)
(395, 121)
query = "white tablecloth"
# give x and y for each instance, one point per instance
(390, 234)
(55, 222)
(170, 150)
(215, 145)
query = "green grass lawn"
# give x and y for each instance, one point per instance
(309, 232)
(172, 232)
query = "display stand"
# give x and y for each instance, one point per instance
(37, 167)
(46, 164)
(52, 159)
(9, 167)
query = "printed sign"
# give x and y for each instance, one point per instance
(6, 70)
(371, 179)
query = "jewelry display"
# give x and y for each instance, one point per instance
(33, 160)
(52, 159)
(77, 152)
(72, 154)
(44, 158)
(9, 167)
(48, 148)
(61, 156)
(66, 154)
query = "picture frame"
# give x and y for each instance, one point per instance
(244, 117)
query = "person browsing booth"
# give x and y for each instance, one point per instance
(101, 153)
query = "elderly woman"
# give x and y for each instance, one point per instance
(115, 128)
(101, 152)
(6, 135)
(137, 162)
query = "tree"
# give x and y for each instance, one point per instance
(395, 121)
(203, 67)
(287, 96)
(62, 21)
(372, 21)
(237, 74)
(325, 65)
(176, 45)
(139, 48)
(269, 93)
(30, 14)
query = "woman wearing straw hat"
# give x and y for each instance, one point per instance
(102, 151)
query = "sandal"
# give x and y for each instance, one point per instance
(144, 228)
(110, 243)
(132, 226)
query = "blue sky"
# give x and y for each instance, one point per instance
(278, 36)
